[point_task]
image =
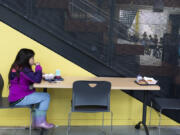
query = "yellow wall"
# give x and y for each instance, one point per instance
(127, 110)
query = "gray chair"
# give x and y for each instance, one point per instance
(161, 104)
(4, 103)
(90, 97)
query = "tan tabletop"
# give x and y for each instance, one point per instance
(117, 83)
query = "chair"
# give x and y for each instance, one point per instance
(90, 97)
(161, 104)
(4, 103)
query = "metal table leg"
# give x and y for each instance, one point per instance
(44, 89)
(143, 122)
(42, 129)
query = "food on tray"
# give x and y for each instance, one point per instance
(145, 80)
(142, 82)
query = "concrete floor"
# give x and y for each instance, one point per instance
(117, 130)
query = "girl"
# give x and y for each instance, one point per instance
(21, 78)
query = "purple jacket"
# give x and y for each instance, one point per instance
(19, 87)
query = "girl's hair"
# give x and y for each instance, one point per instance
(21, 61)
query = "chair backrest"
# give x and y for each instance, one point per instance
(85, 96)
(1, 85)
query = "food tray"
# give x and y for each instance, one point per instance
(144, 84)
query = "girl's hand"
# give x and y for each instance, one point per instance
(37, 63)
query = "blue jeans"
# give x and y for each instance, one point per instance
(40, 99)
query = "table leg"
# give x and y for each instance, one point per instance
(143, 122)
(42, 131)
(44, 89)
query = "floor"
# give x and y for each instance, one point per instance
(117, 130)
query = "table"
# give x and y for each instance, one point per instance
(117, 83)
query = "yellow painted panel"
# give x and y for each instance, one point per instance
(126, 110)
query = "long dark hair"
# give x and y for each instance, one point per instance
(21, 61)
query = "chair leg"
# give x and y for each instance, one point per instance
(69, 123)
(160, 122)
(30, 124)
(111, 122)
(150, 115)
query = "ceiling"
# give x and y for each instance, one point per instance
(167, 3)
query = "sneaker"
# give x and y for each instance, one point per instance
(45, 125)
